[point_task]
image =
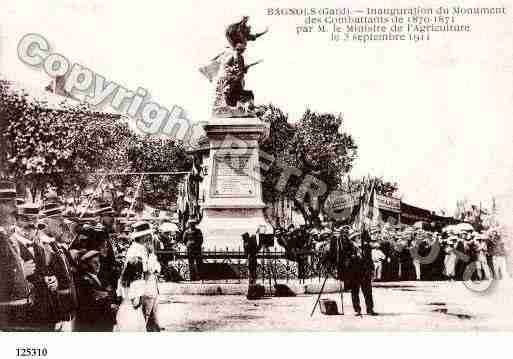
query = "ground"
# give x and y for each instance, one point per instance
(402, 306)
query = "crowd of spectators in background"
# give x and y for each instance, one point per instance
(402, 253)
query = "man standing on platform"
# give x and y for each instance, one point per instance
(193, 239)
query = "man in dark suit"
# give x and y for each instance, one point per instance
(359, 271)
(62, 263)
(193, 238)
(45, 309)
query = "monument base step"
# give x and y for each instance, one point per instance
(222, 228)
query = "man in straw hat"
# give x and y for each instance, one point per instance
(47, 306)
(55, 237)
(15, 300)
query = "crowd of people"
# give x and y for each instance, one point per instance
(62, 273)
(401, 253)
(68, 273)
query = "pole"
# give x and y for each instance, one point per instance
(91, 198)
(135, 194)
(319, 296)
(339, 274)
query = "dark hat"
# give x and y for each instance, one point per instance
(103, 209)
(7, 190)
(28, 212)
(52, 210)
(88, 255)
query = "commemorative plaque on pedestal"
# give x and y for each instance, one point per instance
(232, 188)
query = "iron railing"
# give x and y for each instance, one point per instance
(225, 264)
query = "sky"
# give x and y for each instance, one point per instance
(434, 116)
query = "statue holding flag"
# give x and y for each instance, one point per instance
(228, 70)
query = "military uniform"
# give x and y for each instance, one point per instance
(15, 300)
(15, 303)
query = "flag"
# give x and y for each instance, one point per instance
(212, 69)
(371, 202)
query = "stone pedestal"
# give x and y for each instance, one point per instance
(232, 188)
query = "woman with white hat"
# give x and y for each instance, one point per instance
(130, 317)
(143, 248)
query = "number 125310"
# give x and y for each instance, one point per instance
(31, 352)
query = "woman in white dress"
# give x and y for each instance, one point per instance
(130, 316)
(450, 259)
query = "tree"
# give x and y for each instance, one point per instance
(12, 106)
(317, 147)
(58, 147)
(278, 144)
(159, 154)
(382, 186)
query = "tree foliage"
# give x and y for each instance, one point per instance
(382, 186)
(158, 154)
(316, 147)
(64, 147)
(58, 147)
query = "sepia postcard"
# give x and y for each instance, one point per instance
(258, 166)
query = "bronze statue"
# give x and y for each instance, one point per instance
(228, 70)
(240, 33)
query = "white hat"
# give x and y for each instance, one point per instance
(168, 227)
(354, 234)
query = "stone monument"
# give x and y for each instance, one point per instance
(232, 193)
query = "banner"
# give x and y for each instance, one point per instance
(339, 201)
(388, 203)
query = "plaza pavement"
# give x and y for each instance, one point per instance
(404, 306)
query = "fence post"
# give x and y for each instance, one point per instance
(238, 263)
(227, 256)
